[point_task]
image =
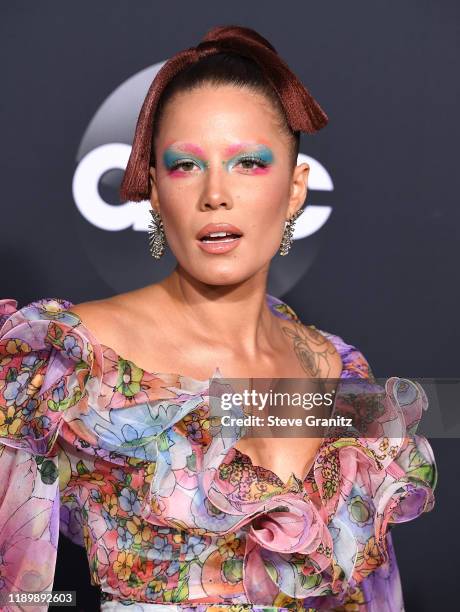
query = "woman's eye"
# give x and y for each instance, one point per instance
(251, 161)
(248, 163)
(186, 165)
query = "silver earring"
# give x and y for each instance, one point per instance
(157, 238)
(286, 241)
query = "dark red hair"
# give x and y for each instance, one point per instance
(260, 67)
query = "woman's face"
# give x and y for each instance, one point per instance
(221, 158)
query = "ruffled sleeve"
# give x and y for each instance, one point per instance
(47, 371)
(385, 475)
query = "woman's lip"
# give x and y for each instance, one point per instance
(218, 227)
(219, 246)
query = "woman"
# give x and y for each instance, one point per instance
(105, 415)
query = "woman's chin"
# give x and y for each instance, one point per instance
(221, 274)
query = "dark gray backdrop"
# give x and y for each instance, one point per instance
(381, 273)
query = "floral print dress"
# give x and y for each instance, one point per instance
(133, 466)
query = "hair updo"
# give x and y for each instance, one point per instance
(227, 55)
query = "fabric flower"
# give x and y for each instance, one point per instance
(288, 525)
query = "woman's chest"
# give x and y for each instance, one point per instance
(297, 356)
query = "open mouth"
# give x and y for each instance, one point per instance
(220, 237)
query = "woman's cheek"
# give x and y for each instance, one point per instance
(267, 232)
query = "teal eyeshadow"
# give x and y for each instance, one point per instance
(264, 153)
(170, 157)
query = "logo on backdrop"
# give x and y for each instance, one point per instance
(114, 235)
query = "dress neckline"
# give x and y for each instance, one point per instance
(192, 385)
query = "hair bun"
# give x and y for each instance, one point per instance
(229, 33)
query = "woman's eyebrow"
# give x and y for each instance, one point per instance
(233, 149)
(239, 146)
(187, 147)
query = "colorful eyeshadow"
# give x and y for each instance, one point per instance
(177, 155)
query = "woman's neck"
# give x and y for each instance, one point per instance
(238, 315)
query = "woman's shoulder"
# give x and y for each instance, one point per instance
(313, 343)
(121, 321)
(355, 363)
(104, 317)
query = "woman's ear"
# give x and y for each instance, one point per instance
(299, 188)
(153, 189)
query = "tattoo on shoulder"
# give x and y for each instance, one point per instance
(313, 350)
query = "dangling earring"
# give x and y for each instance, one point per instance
(286, 241)
(157, 238)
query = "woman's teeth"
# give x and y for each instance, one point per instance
(219, 237)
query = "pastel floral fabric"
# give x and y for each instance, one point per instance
(133, 466)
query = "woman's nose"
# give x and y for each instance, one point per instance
(216, 191)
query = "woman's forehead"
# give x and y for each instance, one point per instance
(230, 132)
(240, 103)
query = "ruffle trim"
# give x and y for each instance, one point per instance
(396, 469)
